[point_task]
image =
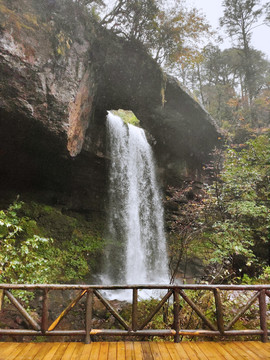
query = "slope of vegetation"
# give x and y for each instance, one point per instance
(41, 244)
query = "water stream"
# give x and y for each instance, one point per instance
(137, 250)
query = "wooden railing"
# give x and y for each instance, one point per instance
(134, 328)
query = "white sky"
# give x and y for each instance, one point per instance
(213, 10)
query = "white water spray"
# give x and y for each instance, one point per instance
(137, 253)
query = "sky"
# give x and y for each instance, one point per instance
(213, 10)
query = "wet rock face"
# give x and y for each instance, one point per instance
(46, 97)
(58, 78)
(127, 78)
(43, 71)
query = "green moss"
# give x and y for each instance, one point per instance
(163, 89)
(31, 19)
(63, 43)
(77, 242)
(26, 20)
(127, 116)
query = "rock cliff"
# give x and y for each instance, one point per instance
(59, 74)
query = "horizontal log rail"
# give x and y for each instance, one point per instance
(175, 293)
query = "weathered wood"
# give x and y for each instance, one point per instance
(129, 351)
(22, 311)
(211, 352)
(197, 310)
(60, 353)
(112, 310)
(137, 351)
(135, 309)
(191, 353)
(1, 298)
(112, 353)
(67, 309)
(263, 291)
(226, 355)
(44, 351)
(257, 346)
(263, 318)
(242, 311)
(176, 310)
(219, 311)
(56, 347)
(139, 287)
(121, 351)
(156, 310)
(104, 332)
(245, 350)
(211, 333)
(163, 332)
(103, 353)
(23, 352)
(88, 315)
(45, 311)
(20, 332)
(176, 351)
(198, 352)
(146, 351)
(95, 351)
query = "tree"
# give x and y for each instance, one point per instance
(218, 82)
(238, 209)
(178, 33)
(267, 12)
(240, 17)
(184, 225)
(132, 19)
(169, 33)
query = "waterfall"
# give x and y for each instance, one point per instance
(137, 250)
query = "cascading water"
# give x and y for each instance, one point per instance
(137, 253)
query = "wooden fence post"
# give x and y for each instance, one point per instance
(176, 309)
(1, 298)
(88, 315)
(45, 311)
(263, 319)
(135, 310)
(219, 311)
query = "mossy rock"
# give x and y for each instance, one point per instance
(77, 242)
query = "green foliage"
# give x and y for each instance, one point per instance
(23, 251)
(220, 83)
(184, 226)
(146, 307)
(233, 84)
(265, 275)
(133, 19)
(178, 32)
(39, 244)
(227, 228)
(78, 242)
(237, 209)
(239, 19)
(127, 116)
(169, 32)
